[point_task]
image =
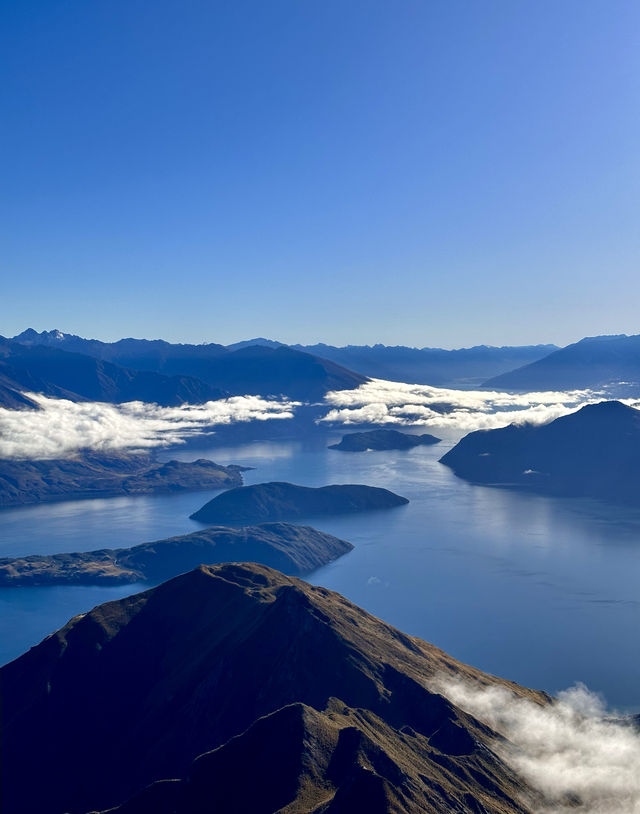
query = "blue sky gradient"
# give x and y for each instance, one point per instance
(438, 173)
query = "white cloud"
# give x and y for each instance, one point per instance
(579, 759)
(61, 427)
(396, 403)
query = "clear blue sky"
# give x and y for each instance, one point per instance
(427, 173)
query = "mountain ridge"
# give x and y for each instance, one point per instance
(135, 690)
(437, 366)
(593, 452)
(59, 373)
(460, 367)
(249, 370)
(591, 363)
(96, 474)
(294, 550)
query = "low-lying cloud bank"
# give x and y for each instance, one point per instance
(580, 760)
(61, 427)
(395, 403)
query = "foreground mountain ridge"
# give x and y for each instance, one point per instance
(134, 691)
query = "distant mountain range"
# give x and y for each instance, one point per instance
(236, 689)
(465, 367)
(594, 452)
(307, 372)
(61, 374)
(254, 369)
(594, 362)
(442, 368)
(302, 372)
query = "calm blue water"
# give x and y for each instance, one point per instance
(539, 590)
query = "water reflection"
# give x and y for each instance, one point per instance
(539, 590)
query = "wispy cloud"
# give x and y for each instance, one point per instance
(395, 403)
(580, 760)
(61, 427)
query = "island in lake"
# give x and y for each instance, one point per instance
(95, 474)
(234, 688)
(383, 440)
(594, 452)
(291, 549)
(287, 501)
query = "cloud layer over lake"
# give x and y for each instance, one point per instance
(578, 758)
(61, 427)
(396, 403)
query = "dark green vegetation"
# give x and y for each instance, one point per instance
(594, 362)
(98, 475)
(78, 377)
(253, 370)
(291, 549)
(383, 439)
(244, 691)
(287, 501)
(594, 452)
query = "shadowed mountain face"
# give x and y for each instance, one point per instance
(306, 701)
(11, 396)
(270, 371)
(593, 452)
(291, 549)
(287, 501)
(98, 475)
(382, 440)
(435, 366)
(444, 368)
(140, 354)
(253, 370)
(82, 378)
(593, 362)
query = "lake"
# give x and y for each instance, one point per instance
(540, 590)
